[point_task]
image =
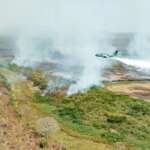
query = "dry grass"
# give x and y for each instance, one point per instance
(135, 89)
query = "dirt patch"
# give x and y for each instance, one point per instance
(139, 90)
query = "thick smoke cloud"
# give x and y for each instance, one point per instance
(77, 29)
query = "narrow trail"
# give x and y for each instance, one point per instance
(13, 133)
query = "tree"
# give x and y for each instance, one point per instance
(39, 79)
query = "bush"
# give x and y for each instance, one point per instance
(39, 79)
(4, 81)
(112, 136)
(43, 143)
(72, 114)
(138, 109)
(38, 98)
(116, 119)
(14, 67)
(96, 125)
(46, 126)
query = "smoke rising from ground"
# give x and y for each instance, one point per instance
(76, 29)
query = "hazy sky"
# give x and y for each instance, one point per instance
(77, 15)
(77, 28)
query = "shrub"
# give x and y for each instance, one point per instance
(39, 79)
(14, 67)
(72, 114)
(43, 143)
(14, 103)
(4, 81)
(116, 119)
(97, 125)
(42, 99)
(138, 109)
(46, 126)
(112, 136)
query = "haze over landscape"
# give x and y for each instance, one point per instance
(77, 30)
(74, 75)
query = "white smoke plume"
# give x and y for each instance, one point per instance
(77, 29)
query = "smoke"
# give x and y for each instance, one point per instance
(140, 64)
(140, 46)
(75, 29)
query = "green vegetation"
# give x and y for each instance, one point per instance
(43, 143)
(37, 97)
(102, 116)
(14, 67)
(39, 79)
(116, 119)
(138, 109)
(20, 69)
(98, 115)
(14, 103)
(4, 81)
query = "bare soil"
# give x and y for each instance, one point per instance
(138, 89)
(14, 135)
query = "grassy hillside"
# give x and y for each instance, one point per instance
(95, 120)
(102, 116)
